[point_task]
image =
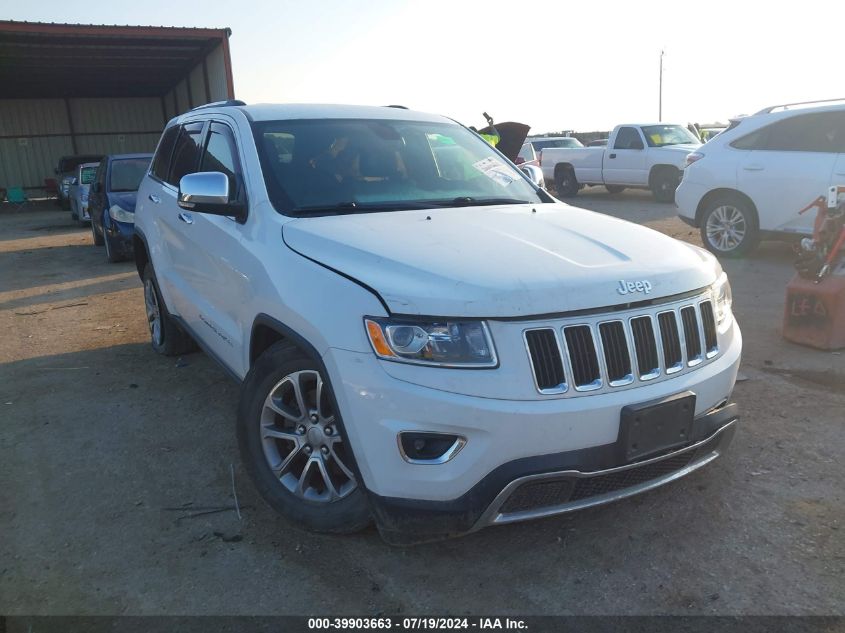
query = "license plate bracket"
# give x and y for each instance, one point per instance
(654, 427)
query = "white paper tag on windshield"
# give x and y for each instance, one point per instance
(495, 170)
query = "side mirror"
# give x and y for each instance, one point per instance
(534, 173)
(207, 192)
(96, 187)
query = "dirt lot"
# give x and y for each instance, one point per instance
(108, 451)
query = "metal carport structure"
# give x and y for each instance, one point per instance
(98, 89)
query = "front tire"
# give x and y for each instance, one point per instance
(166, 337)
(566, 184)
(729, 227)
(292, 445)
(664, 183)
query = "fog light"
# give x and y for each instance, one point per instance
(419, 447)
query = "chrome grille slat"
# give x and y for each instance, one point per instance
(617, 359)
(546, 360)
(586, 373)
(605, 352)
(692, 335)
(645, 342)
(708, 324)
(673, 355)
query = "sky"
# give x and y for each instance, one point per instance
(554, 65)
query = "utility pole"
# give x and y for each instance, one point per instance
(660, 96)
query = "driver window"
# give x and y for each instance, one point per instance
(628, 138)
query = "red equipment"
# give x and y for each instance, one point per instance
(815, 298)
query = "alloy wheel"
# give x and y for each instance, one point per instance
(301, 442)
(726, 228)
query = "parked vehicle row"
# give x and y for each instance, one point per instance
(424, 338)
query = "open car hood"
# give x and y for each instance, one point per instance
(511, 137)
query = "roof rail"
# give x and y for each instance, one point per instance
(786, 106)
(401, 107)
(220, 104)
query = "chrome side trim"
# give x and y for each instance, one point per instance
(450, 453)
(492, 516)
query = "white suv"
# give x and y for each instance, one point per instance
(424, 338)
(751, 181)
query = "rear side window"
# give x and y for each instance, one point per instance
(161, 161)
(822, 132)
(186, 154)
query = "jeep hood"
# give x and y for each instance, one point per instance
(500, 261)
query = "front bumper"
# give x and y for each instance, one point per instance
(552, 484)
(506, 439)
(688, 196)
(120, 236)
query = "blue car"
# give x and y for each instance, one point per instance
(111, 202)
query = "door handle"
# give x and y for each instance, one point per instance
(840, 173)
(753, 167)
(154, 198)
(187, 218)
(612, 156)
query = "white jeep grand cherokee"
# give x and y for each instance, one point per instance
(424, 338)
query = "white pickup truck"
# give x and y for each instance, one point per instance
(642, 156)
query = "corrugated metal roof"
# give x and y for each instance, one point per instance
(75, 25)
(40, 59)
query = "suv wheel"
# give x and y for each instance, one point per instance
(729, 227)
(166, 336)
(566, 184)
(292, 446)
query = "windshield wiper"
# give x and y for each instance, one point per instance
(343, 208)
(468, 201)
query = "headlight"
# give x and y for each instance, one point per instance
(121, 215)
(440, 343)
(722, 301)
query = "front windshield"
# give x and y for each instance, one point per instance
(126, 173)
(660, 135)
(350, 166)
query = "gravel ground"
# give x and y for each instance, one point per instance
(108, 451)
